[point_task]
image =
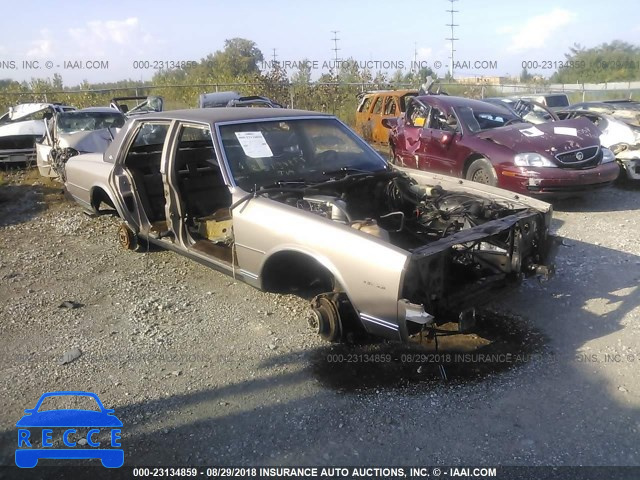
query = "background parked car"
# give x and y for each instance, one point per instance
(553, 101)
(528, 110)
(22, 126)
(234, 99)
(375, 106)
(627, 111)
(620, 137)
(489, 144)
(138, 105)
(70, 133)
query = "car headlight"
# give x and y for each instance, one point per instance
(607, 155)
(532, 160)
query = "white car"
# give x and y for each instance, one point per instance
(22, 126)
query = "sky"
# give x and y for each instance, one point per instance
(116, 40)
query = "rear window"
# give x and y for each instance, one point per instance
(557, 101)
(377, 107)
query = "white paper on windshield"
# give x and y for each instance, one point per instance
(532, 132)
(565, 131)
(254, 144)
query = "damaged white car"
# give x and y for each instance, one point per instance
(22, 126)
(289, 200)
(71, 133)
(619, 136)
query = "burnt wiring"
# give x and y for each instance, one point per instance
(435, 213)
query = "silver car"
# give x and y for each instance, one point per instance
(288, 200)
(80, 131)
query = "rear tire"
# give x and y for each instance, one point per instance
(481, 171)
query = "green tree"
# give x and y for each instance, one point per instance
(608, 62)
(239, 57)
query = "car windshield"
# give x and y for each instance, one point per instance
(477, 120)
(66, 402)
(301, 151)
(71, 122)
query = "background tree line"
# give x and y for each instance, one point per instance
(240, 62)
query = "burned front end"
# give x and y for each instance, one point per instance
(492, 246)
(461, 245)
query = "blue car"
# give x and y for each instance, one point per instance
(27, 457)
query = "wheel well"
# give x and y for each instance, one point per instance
(294, 272)
(467, 163)
(98, 196)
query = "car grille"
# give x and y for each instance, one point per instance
(584, 158)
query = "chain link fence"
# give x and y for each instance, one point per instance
(340, 99)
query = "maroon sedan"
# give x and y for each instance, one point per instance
(489, 144)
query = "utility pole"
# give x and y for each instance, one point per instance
(453, 38)
(274, 56)
(335, 47)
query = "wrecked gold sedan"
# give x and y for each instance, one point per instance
(290, 200)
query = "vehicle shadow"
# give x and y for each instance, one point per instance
(21, 203)
(559, 406)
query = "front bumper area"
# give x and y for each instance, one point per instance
(549, 181)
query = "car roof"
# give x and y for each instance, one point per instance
(95, 110)
(447, 100)
(228, 114)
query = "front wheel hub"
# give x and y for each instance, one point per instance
(326, 319)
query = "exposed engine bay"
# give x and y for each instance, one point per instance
(404, 213)
(462, 244)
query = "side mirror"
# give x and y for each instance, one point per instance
(389, 122)
(447, 138)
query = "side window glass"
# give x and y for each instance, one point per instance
(364, 107)
(417, 115)
(195, 149)
(377, 107)
(390, 106)
(441, 121)
(150, 137)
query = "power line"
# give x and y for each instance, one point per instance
(453, 38)
(335, 46)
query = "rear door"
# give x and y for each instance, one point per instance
(137, 176)
(411, 150)
(437, 141)
(390, 109)
(372, 118)
(362, 114)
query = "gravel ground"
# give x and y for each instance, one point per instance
(205, 370)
